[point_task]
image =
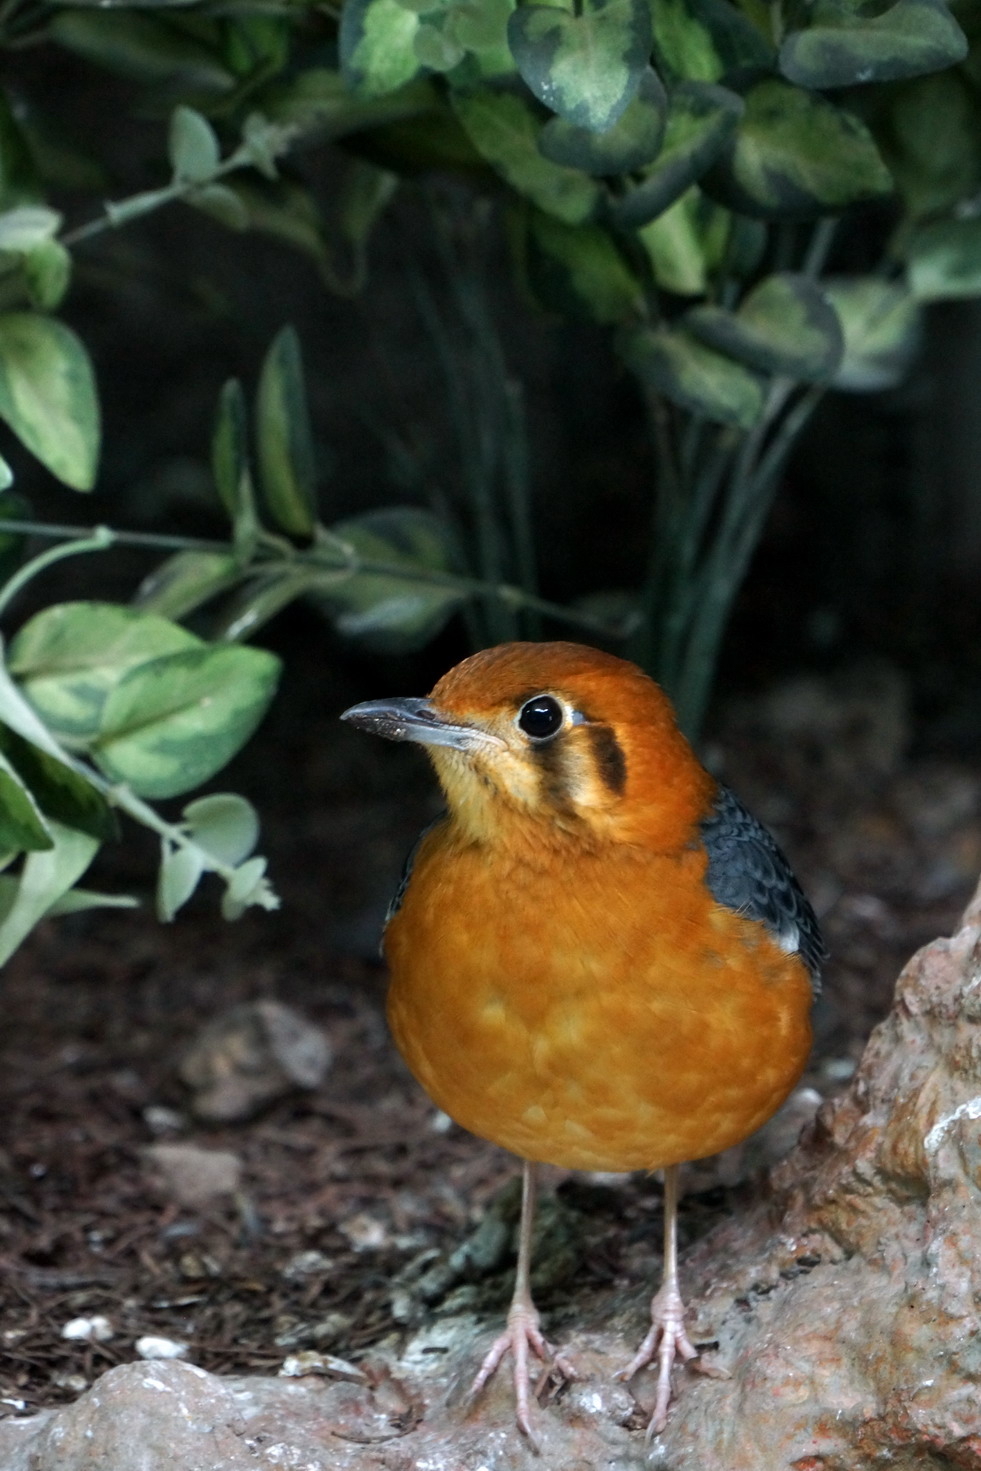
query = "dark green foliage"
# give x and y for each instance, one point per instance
(672, 171)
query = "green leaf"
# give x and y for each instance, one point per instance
(185, 582)
(180, 872)
(285, 441)
(846, 46)
(785, 326)
(47, 269)
(377, 46)
(688, 242)
(705, 40)
(364, 195)
(248, 886)
(149, 48)
(221, 203)
(230, 465)
(22, 825)
(944, 259)
(796, 155)
(71, 655)
(192, 146)
(436, 47)
(319, 100)
(267, 594)
(390, 613)
(481, 26)
(59, 790)
(504, 129)
(48, 395)
(287, 211)
(631, 142)
(75, 901)
(224, 824)
(27, 245)
(28, 225)
(265, 141)
(701, 120)
(578, 271)
(6, 481)
(16, 712)
(692, 375)
(19, 181)
(45, 878)
(584, 66)
(930, 135)
(881, 323)
(256, 45)
(170, 724)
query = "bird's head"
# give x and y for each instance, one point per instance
(553, 735)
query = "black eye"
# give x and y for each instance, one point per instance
(540, 717)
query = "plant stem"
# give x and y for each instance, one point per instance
(137, 205)
(123, 797)
(98, 540)
(152, 540)
(336, 556)
(516, 477)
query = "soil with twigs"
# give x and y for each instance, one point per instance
(353, 1193)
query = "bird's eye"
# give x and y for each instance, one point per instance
(541, 717)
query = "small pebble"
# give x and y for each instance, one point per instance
(306, 1264)
(364, 1232)
(77, 1383)
(152, 1347)
(88, 1330)
(162, 1120)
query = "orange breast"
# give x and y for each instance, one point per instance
(598, 1013)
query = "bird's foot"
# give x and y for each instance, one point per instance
(521, 1335)
(666, 1340)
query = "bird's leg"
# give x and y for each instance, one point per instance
(666, 1337)
(522, 1331)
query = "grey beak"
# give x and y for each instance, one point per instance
(416, 720)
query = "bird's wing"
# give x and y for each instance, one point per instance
(747, 872)
(395, 903)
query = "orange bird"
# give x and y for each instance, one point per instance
(599, 958)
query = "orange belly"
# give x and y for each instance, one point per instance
(616, 1020)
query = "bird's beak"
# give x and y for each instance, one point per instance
(418, 720)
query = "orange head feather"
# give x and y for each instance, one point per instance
(602, 760)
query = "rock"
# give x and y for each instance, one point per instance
(192, 1176)
(253, 1054)
(851, 1330)
(842, 1304)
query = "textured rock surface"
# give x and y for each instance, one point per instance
(191, 1175)
(252, 1054)
(844, 1304)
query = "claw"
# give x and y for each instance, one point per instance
(521, 1334)
(666, 1339)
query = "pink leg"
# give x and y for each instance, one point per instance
(522, 1332)
(667, 1337)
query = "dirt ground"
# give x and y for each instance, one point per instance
(353, 1191)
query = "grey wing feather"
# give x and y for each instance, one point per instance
(395, 903)
(747, 872)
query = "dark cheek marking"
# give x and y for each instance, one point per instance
(610, 761)
(549, 758)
